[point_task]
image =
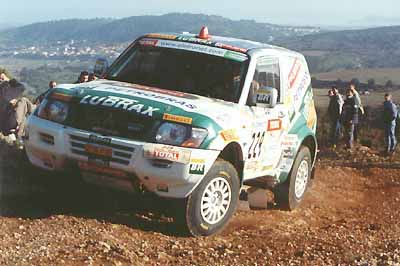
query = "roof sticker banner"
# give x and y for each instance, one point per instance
(195, 48)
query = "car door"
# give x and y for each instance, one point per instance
(264, 149)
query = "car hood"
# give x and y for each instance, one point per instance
(154, 102)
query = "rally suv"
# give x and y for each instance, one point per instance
(190, 117)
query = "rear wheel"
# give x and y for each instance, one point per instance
(212, 203)
(291, 193)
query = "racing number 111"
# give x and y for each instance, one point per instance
(256, 144)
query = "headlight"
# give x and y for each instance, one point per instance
(55, 111)
(180, 135)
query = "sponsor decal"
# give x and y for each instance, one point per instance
(164, 152)
(267, 168)
(251, 166)
(289, 144)
(197, 167)
(195, 45)
(161, 36)
(230, 47)
(300, 91)
(288, 152)
(210, 43)
(148, 42)
(153, 89)
(263, 97)
(195, 40)
(235, 56)
(294, 72)
(98, 150)
(119, 103)
(61, 97)
(229, 135)
(178, 119)
(289, 140)
(274, 125)
(255, 148)
(148, 95)
(168, 155)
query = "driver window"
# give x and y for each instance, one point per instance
(267, 74)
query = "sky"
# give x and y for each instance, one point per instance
(292, 12)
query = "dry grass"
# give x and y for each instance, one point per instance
(374, 100)
(381, 75)
(371, 133)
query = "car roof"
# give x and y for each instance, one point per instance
(235, 44)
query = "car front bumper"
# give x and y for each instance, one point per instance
(168, 171)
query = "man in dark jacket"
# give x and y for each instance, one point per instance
(7, 113)
(334, 112)
(389, 122)
(83, 77)
(349, 118)
(15, 108)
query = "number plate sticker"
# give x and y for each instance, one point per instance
(100, 170)
(97, 150)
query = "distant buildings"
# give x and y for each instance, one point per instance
(65, 49)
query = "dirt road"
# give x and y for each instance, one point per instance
(350, 217)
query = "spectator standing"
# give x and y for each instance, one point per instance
(83, 77)
(16, 109)
(334, 113)
(390, 112)
(22, 106)
(349, 118)
(3, 77)
(92, 77)
(360, 109)
(52, 85)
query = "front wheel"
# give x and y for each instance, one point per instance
(290, 194)
(213, 202)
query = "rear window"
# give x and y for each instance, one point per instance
(185, 67)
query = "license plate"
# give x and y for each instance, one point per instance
(101, 170)
(99, 151)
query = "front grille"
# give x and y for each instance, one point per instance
(120, 154)
(111, 122)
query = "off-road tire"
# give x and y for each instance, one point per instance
(285, 194)
(194, 214)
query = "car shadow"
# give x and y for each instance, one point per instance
(29, 193)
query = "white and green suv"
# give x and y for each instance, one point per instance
(189, 117)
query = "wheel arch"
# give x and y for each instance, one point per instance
(311, 143)
(233, 153)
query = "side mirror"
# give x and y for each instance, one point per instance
(100, 67)
(266, 97)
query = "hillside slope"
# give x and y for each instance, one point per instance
(368, 48)
(127, 29)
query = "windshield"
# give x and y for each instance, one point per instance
(197, 69)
